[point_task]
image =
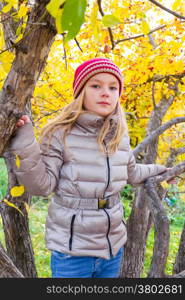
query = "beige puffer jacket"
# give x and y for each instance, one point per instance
(78, 174)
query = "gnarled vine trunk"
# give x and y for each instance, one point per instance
(30, 58)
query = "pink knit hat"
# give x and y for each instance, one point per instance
(92, 67)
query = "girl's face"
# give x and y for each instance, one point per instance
(101, 94)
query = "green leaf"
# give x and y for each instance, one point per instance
(54, 7)
(73, 17)
(110, 20)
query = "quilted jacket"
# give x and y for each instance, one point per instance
(77, 175)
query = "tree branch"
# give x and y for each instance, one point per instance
(161, 223)
(159, 78)
(78, 44)
(28, 64)
(167, 77)
(7, 267)
(173, 154)
(140, 35)
(109, 29)
(173, 172)
(156, 133)
(162, 235)
(167, 9)
(153, 94)
(179, 275)
(179, 266)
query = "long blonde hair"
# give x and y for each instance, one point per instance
(70, 114)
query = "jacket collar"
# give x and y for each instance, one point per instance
(92, 122)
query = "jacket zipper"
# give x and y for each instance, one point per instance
(108, 168)
(107, 235)
(71, 232)
(108, 217)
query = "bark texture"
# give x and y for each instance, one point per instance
(139, 220)
(31, 54)
(7, 268)
(16, 228)
(179, 265)
(161, 224)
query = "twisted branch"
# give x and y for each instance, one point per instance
(161, 223)
(156, 133)
(167, 9)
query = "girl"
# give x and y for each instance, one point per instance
(84, 160)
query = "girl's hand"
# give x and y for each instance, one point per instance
(23, 120)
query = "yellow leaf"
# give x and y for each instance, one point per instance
(94, 21)
(12, 205)
(17, 191)
(176, 4)
(19, 38)
(58, 23)
(17, 161)
(27, 207)
(1, 37)
(2, 71)
(145, 27)
(6, 8)
(54, 6)
(9, 5)
(18, 31)
(22, 10)
(165, 185)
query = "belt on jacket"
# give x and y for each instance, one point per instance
(87, 203)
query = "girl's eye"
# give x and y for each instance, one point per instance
(113, 88)
(95, 86)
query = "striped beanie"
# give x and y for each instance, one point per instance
(92, 67)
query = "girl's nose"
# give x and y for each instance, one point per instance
(105, 92)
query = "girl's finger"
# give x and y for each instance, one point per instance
(20, 123)
(25, 118)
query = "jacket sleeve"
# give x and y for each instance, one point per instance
(138, 173)
(39, 164)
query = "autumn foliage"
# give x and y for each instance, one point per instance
(145, 40)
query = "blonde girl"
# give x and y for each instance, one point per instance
(83, 160)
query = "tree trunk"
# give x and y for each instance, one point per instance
(161, 223)
(137, 226)
(162, 236)
(179, 265)
(16, 229)
(7, 268)
(31, 54)
(30, 59)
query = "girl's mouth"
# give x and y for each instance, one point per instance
(103, 103)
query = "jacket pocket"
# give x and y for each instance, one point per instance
(71, 232)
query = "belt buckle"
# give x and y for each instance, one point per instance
(102, 203)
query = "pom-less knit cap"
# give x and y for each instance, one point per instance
(92, 67)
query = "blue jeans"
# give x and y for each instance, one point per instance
(67, 266)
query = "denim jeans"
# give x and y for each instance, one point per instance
(67, 266)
